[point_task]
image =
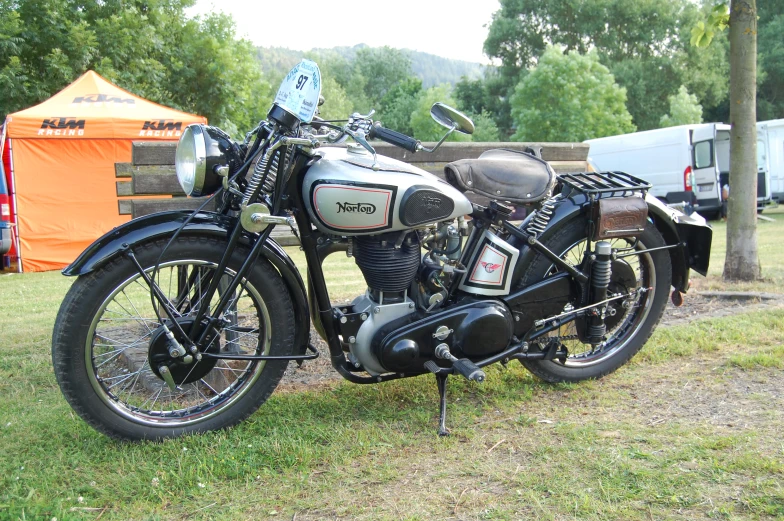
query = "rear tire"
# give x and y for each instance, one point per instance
(103, 332)
(635, 326)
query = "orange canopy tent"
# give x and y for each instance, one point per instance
(62, 175)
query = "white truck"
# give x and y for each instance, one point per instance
(770, 154)
(686, 164)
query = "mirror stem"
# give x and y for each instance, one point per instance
(449, 133)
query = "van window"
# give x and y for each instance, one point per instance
(761, 155)
(703, 154)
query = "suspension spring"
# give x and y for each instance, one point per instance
(601, 273)
(258, 178)
(542, 217)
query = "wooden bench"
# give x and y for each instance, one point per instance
(151, 173)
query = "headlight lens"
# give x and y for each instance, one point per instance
(190, 161)
(200, 151)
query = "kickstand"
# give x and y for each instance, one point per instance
(441, 381)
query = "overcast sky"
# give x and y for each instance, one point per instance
(452, 29)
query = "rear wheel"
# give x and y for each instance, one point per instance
(632, 320)
(108, 346)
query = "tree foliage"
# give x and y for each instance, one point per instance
(431, 69)
(684, 109)
(150, 48)
(569, 97)
(644, 43)
(770, 48)
(423, 126)
(337, 104)
(399, 104)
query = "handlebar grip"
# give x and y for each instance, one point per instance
(394, 138)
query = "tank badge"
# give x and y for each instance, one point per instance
(431, 202)
(490, 267)
(356, 207)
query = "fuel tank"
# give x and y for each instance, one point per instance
(343, 194)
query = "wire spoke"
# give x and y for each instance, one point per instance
(124, 326)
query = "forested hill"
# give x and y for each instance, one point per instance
(431, 69)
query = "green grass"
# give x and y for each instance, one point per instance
(519, 448)
(769, 237)
(691, 429)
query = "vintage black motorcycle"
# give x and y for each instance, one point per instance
(184, 322)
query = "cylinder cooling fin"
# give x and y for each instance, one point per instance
(385, 267)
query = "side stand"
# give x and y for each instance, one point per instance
(441, 381)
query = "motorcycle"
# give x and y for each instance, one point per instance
(183, 322)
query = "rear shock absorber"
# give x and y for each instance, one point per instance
(601, 271)
(542, 217)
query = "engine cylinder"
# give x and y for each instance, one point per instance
(385, 267)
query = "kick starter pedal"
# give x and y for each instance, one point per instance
(462, 366)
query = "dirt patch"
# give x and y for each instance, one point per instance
(696, 306)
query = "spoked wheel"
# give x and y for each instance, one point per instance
(629, 321)
(111, 352)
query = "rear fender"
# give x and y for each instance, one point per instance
(165, 224)
(692, 235)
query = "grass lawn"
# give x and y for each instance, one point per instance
(690, 430)
(769, 237)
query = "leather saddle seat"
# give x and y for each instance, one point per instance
(506, 175)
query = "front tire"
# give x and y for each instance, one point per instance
(635, 325)
(101, 344)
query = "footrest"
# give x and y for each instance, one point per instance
(435, 368)
(470, 370)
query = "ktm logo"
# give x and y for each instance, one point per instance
(103, 98)
(490, 267)
(163, 124)
(161, 128)
(62, 123)
(62, 127)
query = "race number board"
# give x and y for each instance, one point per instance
(299, 92)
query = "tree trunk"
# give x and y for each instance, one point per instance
(742, 260)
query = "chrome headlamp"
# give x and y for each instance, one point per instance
(200, 151)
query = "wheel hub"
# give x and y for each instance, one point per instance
(188, 368)
(623, 280)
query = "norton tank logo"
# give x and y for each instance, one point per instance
(490, 267)
(431, 202)
(103, 98)
(161, 128)
(356, 208)
(62, 127)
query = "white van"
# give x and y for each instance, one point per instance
(685, 164)
(770, 154)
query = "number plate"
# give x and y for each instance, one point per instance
(706, 188)
(299, 92)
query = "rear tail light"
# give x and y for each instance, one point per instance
(5, 208)
(688, 179)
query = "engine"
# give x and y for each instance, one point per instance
(398, 323)
(389, 262)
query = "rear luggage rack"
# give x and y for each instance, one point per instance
(600, 183)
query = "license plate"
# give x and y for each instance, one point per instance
(706, 188)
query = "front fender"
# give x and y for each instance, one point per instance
(164, 224)
(692, 235)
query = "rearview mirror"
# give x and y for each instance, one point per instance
(452, 119)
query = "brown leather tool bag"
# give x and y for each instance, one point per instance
(619, 217)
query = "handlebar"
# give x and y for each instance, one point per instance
(394, 138)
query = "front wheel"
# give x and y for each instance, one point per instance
(632, 320)
(108, 346)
